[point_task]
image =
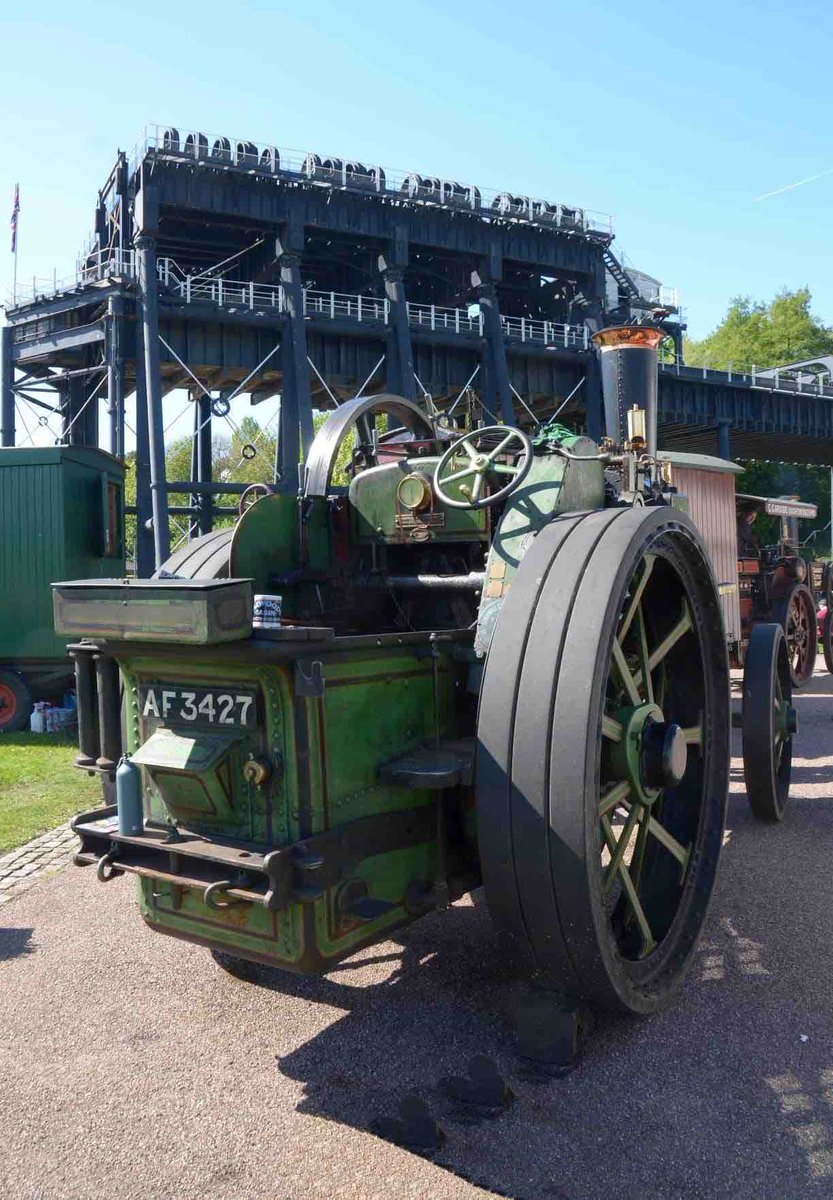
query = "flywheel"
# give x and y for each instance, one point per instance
(603, 754)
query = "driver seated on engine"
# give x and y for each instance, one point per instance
(749, 543)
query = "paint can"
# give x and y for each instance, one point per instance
(267, 611)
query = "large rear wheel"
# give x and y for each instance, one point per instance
(603, 754)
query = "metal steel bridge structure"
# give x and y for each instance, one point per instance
(224, 267)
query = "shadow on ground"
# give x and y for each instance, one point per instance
(14, 942)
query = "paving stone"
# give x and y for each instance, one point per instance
(45, 854)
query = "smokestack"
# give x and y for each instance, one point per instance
(629, 378)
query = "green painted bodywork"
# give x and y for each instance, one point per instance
(554, 485)
(53, 525)
(387, 694)
(376, 516)
(333, 712)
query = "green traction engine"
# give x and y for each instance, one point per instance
(501, 660)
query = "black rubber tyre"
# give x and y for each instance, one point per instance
(827, 637)
(767, 723)
(15, 702)
(827, 641)
(796, 614)
(542, 753)
(204, 557)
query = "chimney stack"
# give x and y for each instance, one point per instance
(629, 378)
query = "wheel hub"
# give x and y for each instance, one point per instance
(652, 753)
(664, 754)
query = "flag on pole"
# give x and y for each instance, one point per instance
(15, 213)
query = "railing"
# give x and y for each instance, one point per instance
(338, 304)
(770, 381)
(458, 320)
(104, 264)
(232, 293)
(228, 293)
(350, 175)
(546, 333)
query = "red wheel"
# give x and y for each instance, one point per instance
(15, 702)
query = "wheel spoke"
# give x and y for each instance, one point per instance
(617, 794)
(694, 734)
(650, 559)
(638, 860)
(669, 641)
(459, 475)
(611, 729)
(646, 661)
(618, 854)
(477, 486)
(648, 941)
(500, 448)
(504, 469)
(470, 450)
(629, 680)
(669, 842)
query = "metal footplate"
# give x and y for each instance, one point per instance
(231, 872)
(445, 766)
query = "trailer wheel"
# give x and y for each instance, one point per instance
(796, 613)
(15, 702)
(768, 723)
(603, 755)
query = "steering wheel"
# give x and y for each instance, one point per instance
(483, 448)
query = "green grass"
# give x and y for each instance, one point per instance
(39, 787)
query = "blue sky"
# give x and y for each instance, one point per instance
(672, 121)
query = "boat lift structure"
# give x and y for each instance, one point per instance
(222, 266)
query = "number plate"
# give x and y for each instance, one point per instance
(228, 707)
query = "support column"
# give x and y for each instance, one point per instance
(149, 298)
(144, 511)
(75, 420)
(201, 461)
(593, 397)
(115, 376)
(296, 429)
(495, 362)
(399, 372)
(7, 413)
(724, 437)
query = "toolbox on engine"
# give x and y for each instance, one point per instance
(196, 612)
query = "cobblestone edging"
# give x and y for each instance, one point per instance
(22, 867)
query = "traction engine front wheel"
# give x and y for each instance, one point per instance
(603, 755)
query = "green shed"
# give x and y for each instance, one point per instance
(61, 517)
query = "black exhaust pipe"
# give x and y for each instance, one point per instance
(629, 355)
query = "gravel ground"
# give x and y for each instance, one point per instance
(133, 1066)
